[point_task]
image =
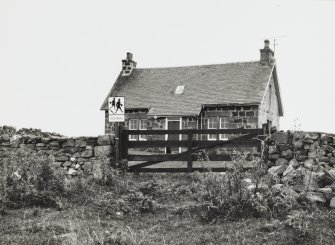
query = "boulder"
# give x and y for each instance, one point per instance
(81, 143)
(68, 144)
(281, 161)
(280, 137)
(87, 153)
(103, 151)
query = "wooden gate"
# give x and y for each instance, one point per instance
(245, 138)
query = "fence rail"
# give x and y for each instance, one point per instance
(246, 140)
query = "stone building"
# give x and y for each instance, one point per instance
(232, 95)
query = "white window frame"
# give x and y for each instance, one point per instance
(208, 126)
(224, 126)
(132, 137)
(142, 137)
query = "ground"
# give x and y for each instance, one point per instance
(81, 220)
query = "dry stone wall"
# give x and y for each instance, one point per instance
(303, 163)
(75, 155)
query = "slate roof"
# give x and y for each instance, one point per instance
(153, 88)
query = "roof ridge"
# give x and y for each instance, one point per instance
(189, 66)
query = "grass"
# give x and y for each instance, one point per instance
(82, 221)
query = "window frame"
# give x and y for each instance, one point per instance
(212, 127)
(142, 137)
(133, 137)
(223, 136)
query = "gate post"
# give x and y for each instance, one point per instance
(189, 151)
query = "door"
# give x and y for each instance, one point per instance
(173, 125)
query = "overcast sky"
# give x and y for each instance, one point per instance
(59, 59)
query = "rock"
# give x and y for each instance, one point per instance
(324, 178)
(57, 164)
(327, 192)
(299, 188)
(277, 170)
(273, 156)
(260, 188)
(286, 190)
(294, 177)
(103, 151)
(92, 141)
(328, 149)
(72, 171)
(308, 163)
(310, 181)
(69, 150)
(67, 164)
(61, 158)
(308, 141)
(324, 159)
(68, 144)
(273, 149)
(289, 169)
(332, 203)
(283, 147)
(280, 137)
(81, 143)
(288, 154)
(104, 139)
(294, 163)
(40, 145)
(15, 139)
(87, 167)
(87, 154)
(298, 144)
(54, 145)
(45, 140)
(332, 173)
(281, 161)
(77, 166)
(97, 169)
(332, 160)
(316, 197)
(307, 146)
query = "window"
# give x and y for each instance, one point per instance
(179, 89)
(133, 125)
(223, 125)
(211, 121)
(143, 126)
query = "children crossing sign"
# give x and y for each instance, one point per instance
(116, 109)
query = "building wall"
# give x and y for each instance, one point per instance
(268, 110)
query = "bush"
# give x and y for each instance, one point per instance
(28, 180)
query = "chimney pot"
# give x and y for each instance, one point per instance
(129, 56)
(266, 43)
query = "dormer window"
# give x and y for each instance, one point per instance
(179, 89)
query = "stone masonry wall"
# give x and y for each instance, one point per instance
(303, 163)
(74, 155)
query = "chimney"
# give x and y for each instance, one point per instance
(267, 55)
(128, 65)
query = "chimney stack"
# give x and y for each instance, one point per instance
(128, 65)
(267, 55)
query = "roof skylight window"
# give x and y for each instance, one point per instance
(179, 89)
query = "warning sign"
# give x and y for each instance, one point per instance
(116, 109)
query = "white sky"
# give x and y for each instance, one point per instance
(59, 59)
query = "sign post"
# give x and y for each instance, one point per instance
(116, 109)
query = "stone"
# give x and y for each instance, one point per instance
(281, 161)
(324, 178)
(327, 192)
(67, 164)
(324, 159)
(92, 141)
(294, 177)
(40, 145)
(316, 197)
(307, 146)
(69, 150)
(54, 145)
(87, 153)
(308, 163)
(260, 188)
(81, 143)
(294, 163)
(104, 139)
(332, 203)
(68, 144)
(77, 166)
(332, 160)
(328, 148)
(289, 169)
(277, 170)
(280, 137)
(57, 164)
(72, 171)
(286, 190)
(87, 167)
(308, 141)
(97, 169)
(298, 144)
(332, 173)
(45, 140)
(273, 156)
(310, 181)
(288, 154)
(273, 149)
(283, 147)
(61, 158)
(103, 151)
